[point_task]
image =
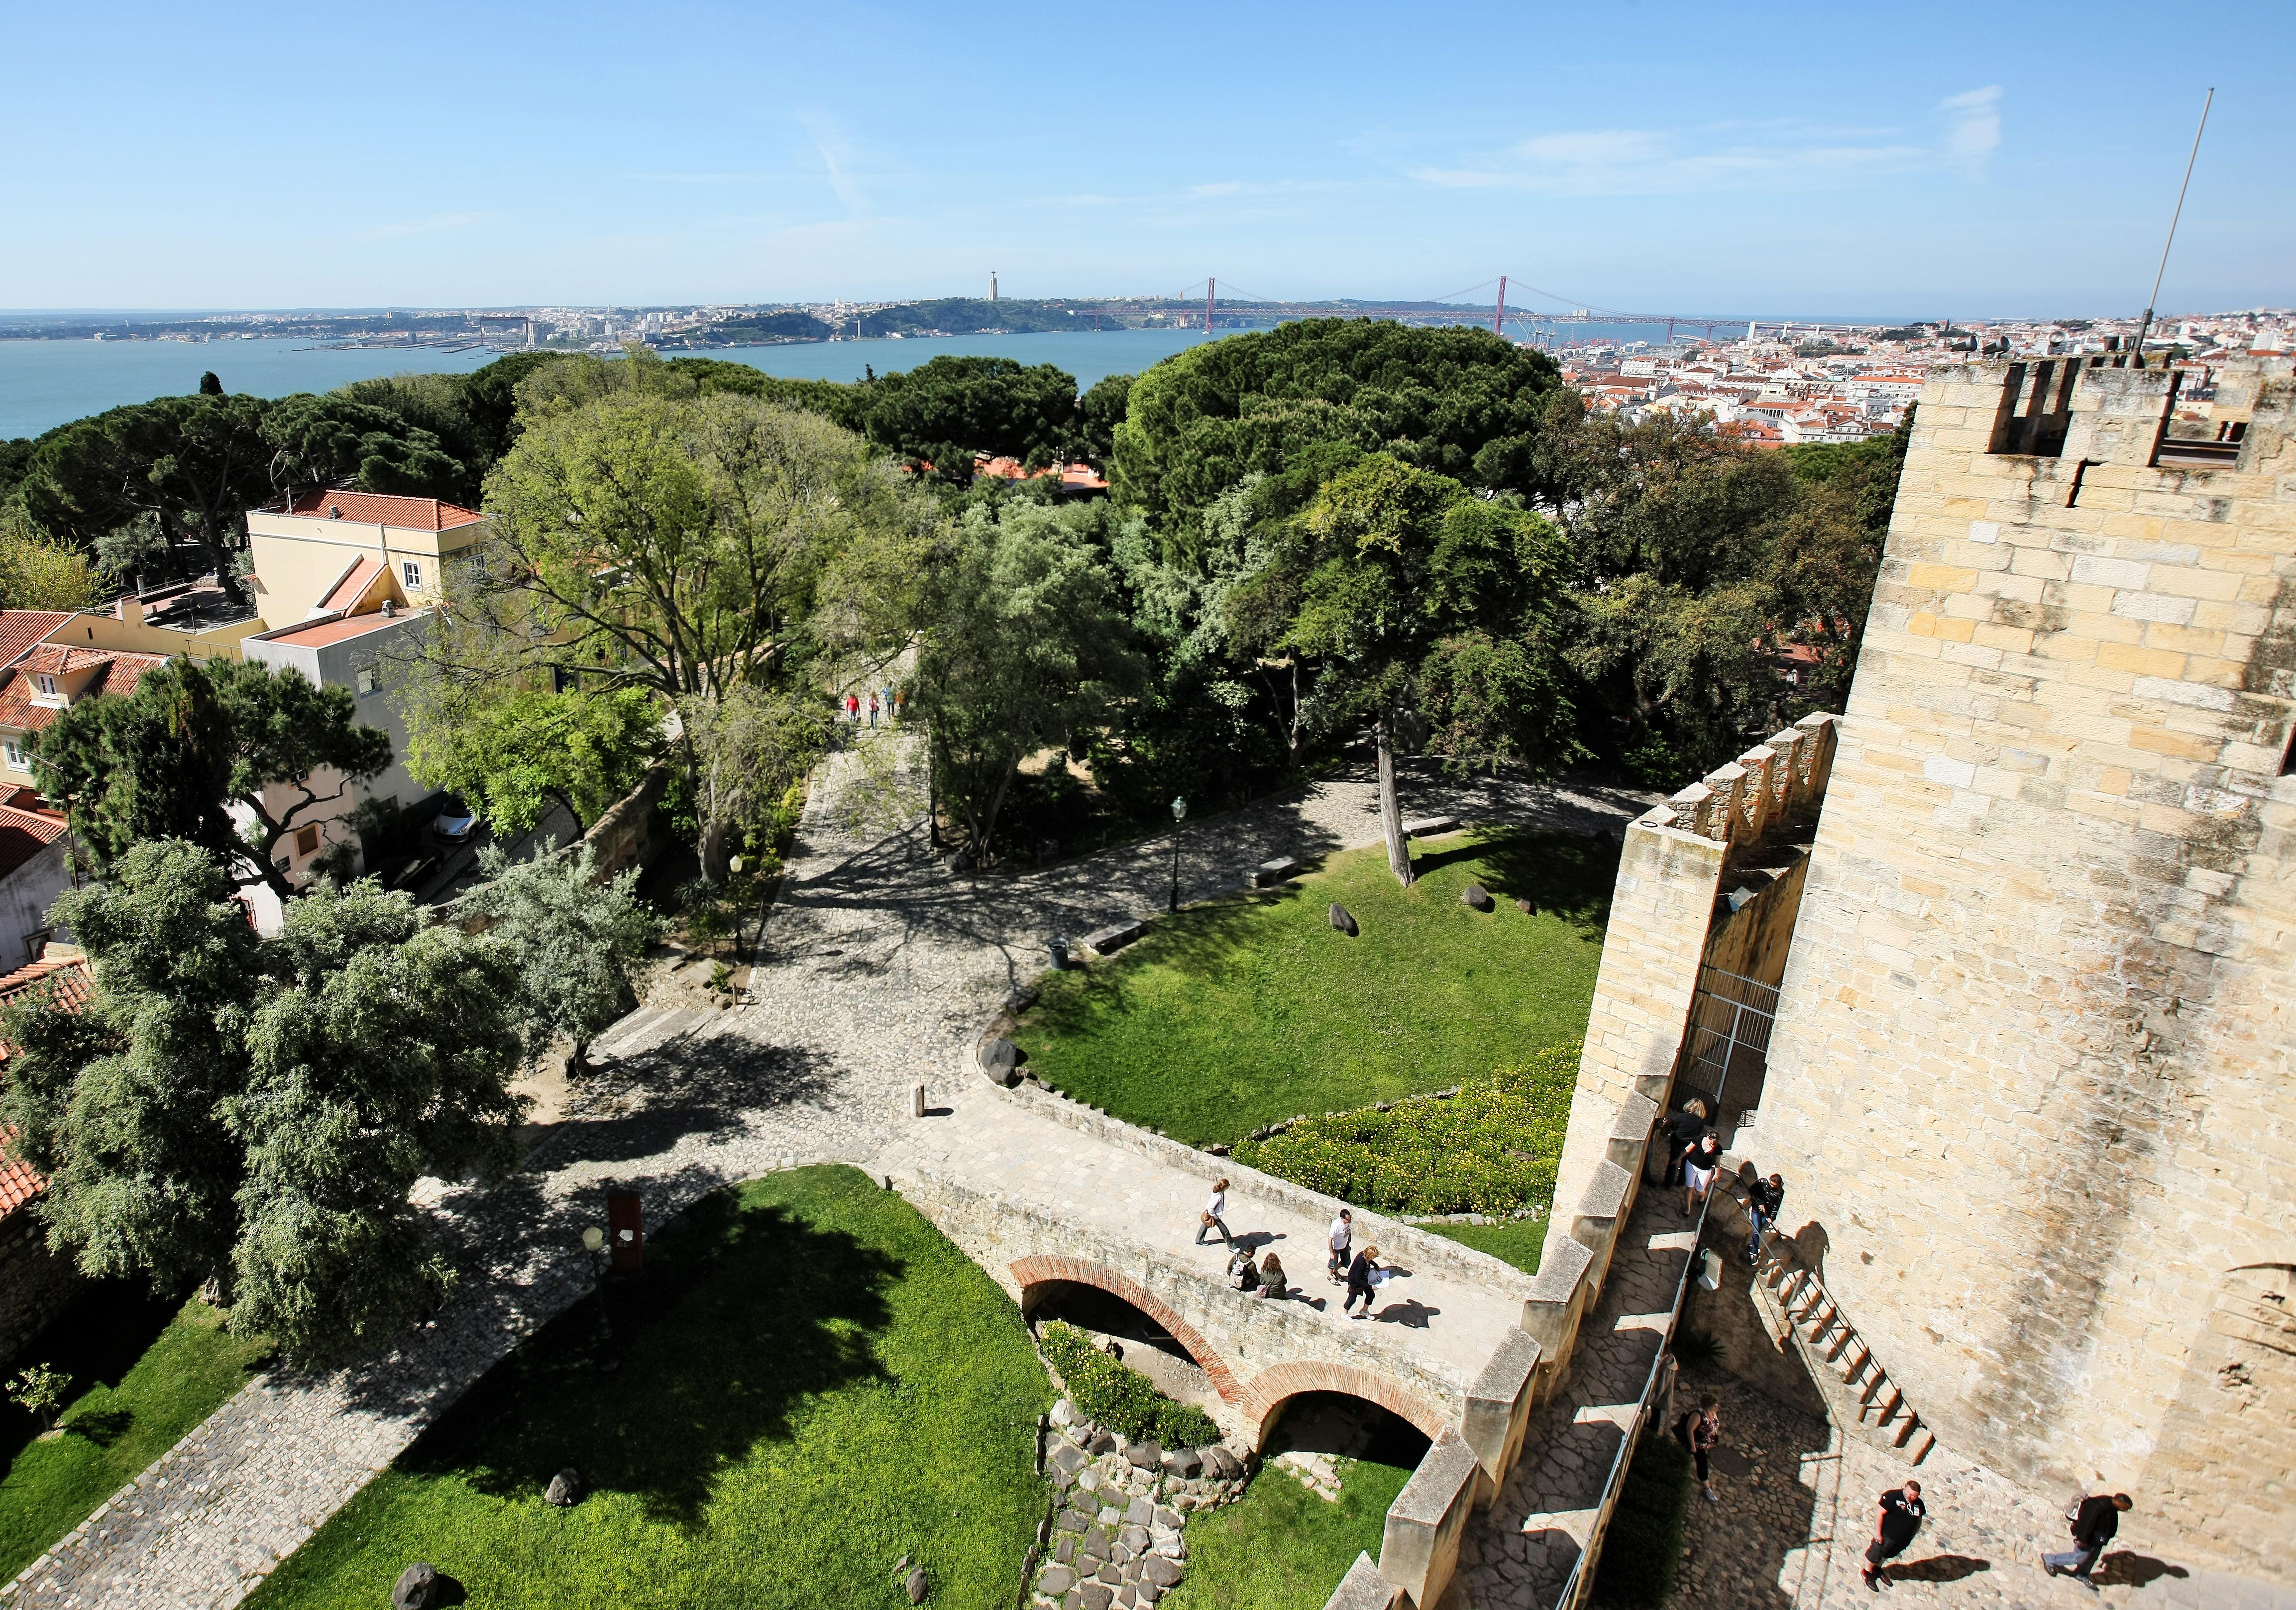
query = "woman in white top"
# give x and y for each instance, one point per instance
(1344, 1236)
(1699, 1161)
(1215, 1216)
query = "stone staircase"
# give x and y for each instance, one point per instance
(1864, 1398)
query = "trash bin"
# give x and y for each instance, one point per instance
(1059, 947)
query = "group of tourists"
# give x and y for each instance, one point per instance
(1360, 1271)
(890, 702)
(1694, 1152)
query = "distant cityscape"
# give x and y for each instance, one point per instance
(1779, 385)
(1769, 382)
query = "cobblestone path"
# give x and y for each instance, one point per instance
(875, 970)
(1518, 1553)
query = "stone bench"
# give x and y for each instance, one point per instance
(1270, 873)
(1427, 828)
(1104, 942)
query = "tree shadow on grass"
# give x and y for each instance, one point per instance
(750, 1312)
(1568, 875)
(96, 1339)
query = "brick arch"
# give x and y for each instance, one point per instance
(1278, 1382)
(1034, 1272)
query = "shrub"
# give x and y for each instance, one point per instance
(1123, 1400)
(1644, 1545)
(1492, 1149)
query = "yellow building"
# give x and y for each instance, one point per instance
(336, 552)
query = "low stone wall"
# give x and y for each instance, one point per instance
(34, 1283)
(1115, 1533)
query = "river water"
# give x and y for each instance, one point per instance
(44, 383)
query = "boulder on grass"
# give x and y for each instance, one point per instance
(1221, 1465)
(1000, 1059)
(1163, 1573)
(1143, 1455)
(417, 1589)
(1523, 906)
(1476, 896)
(565, 1489)
(1343, 920)
(917, 1587)
(1186, 1463)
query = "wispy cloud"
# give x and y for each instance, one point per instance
(836, 154)
(1785, 154)
(1972, 129)
(433, 224)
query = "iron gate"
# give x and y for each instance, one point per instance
(1729, 1036)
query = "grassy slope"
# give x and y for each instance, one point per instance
(1251, 1008)
(1282, 1547)
(812, 1383)
(137, 1404)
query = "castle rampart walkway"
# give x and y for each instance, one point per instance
(1035, 1189)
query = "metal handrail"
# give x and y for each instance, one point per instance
(1572, 1585)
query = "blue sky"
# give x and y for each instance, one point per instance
(1827, 159)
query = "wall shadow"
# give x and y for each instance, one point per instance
(1345, 1426)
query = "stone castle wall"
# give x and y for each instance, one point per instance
(2031, 1076)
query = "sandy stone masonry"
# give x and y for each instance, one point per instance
(2031, 1080)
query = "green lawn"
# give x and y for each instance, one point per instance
(146, 1373)
(1518, 1241)
(1282, 1548)
(812, 1383)
(1252, 1007)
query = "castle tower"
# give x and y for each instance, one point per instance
(2032, 1083)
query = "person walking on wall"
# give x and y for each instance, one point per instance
(853, 709)
(889, 704)
(1359, 1283)
(1215, 1215)
(1698, 1163)
(1764, 1198)
(1702, 1430)
(1344, 1233)
(1902, 1514)
(873, 710)
(1682, 1129)
(2096, 1522)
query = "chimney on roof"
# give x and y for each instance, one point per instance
(334, 510)
(389, 608)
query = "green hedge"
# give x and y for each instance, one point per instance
(1492, 1149)
(1643, 1548)
(1123, 1400)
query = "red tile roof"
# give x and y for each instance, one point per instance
(19, 630)
(377, 508)
(24, 833)
(117, 671)
(74, 982)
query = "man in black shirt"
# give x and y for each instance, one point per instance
(1764, 1198)
(1901, 1518)
(2097, 1521)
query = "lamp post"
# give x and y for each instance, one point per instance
(1179, 815)
(594, 1242)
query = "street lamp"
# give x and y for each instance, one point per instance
(1179, 815)
(594, 1242)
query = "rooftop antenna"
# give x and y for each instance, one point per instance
(2150, 302)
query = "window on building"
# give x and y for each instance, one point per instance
(368, 680)
(47, 686)
(412, 569)
(13, 751)
(307, 840)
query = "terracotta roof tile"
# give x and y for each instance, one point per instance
(117, 671)
(377, 508)
(19, 630)
(346, 592)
